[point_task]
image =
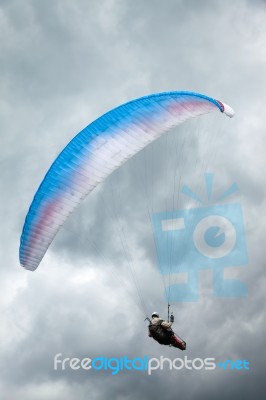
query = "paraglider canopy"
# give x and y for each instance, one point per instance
(97, 151)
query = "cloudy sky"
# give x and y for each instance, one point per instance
(63, 64)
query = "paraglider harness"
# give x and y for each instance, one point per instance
(159, 333)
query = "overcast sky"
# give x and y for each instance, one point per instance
(63, 63)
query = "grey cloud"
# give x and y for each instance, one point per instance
(62, 65)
